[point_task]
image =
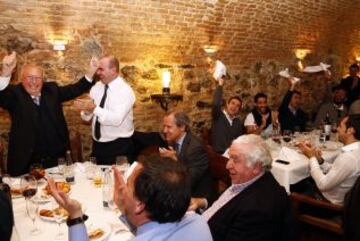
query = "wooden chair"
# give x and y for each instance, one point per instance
(301, 201)
(218, 170)
(76, 146)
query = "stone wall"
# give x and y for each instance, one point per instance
(256, 39)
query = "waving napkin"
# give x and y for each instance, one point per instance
(285, 73)
(220, 70)
(317, 68)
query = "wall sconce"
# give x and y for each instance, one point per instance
(300, 55)
(166, 97)
(210, 49)
(357, 58)
(59, 45)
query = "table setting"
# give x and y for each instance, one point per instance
(38, 217)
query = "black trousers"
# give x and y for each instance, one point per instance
(106, 152)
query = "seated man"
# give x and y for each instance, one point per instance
(352, 84)
(255, 206)
(38, 128)
(149, 203)
(333, 105)
(226, 125)
(188, 149)
(261, 119)
(334, 178)
(291, 116)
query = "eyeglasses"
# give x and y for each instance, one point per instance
(34, 78)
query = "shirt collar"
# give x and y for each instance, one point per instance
(116, 82)
(146, 227)
(236, 188)
(351, 147)
(181, 140)
(339, 107)
(292, 109)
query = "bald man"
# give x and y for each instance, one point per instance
(111, 112)
(38, 128)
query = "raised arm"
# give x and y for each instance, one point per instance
(217, 101)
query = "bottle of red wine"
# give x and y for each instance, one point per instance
(327, 127)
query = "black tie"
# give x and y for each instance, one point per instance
(97, 123)
(176, 148)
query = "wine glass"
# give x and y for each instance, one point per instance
(287, 135)
(32, 211)
(122, 164)
(61, 165)
(28, 185)
(59, 218)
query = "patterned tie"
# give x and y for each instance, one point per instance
(97, 123)
(36, 100)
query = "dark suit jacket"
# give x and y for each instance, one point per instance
(259, 213)
(6, 217)
(23, 115)
(222, 133)
(194, 156)
(288, 121)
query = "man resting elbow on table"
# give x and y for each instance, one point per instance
(148, 203)
(335, 179)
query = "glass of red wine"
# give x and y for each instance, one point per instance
(28, 185)
(287, 135)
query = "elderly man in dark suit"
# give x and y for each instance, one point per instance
(184, 146)
(255, 207)
(38, 127)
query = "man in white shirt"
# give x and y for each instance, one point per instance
(111, 111)
(261, 119)
(334, 178)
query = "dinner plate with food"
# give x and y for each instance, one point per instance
(61, 186)
(16, 192)
(98, 232)
(48, 213)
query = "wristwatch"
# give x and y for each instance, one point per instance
(74, 221)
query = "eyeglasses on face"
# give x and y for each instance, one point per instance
(33, 78)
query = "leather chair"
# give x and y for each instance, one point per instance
(303, 202)
(218, 170)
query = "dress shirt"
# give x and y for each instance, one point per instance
(335, 179)
(191, 227)
(229, 194)
(250, 121)
(180, 142)
(292, 109)
(228, 117)
(116, 118)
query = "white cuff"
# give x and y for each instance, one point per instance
(4, 81)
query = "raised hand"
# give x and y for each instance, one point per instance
(120, 190)
(87, 105)
(71, 205)
(93, 66)
(9, 63)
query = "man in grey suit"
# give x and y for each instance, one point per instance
(187, 148)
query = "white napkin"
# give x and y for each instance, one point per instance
(220, 70)
(289, 155)
(285, 73)
(316, 68)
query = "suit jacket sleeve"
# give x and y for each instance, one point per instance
(198, 163)
(7, 98)
(72, 91)
(216, 108)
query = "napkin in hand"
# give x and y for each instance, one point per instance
(316, 68)
(220, 70)
(285, 73)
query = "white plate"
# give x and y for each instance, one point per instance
(49, 206)
(42, 199)
(105, 227)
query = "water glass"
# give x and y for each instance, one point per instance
(59, 218)
(122, 164)
(32, 211)
(61, 165)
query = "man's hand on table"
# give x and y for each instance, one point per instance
(71, 205)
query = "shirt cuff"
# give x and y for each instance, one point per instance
(78, 232)
(88, 79)
(85, 116)
(100, 113)
(4, 81)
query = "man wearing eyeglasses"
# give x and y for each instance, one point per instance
(38, 127)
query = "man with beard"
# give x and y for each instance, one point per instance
(335, 107)
(261, 119)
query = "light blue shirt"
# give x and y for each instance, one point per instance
(191, 227)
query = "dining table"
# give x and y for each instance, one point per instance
(83, 190)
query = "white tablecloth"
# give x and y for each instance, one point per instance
(83, 191)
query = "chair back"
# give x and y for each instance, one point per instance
(351, 215)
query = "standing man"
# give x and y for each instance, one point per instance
(187, 148)
(111, 111)
(352, 84)
(226, 125)
(291, 116)
(38, 127)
